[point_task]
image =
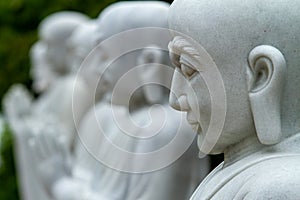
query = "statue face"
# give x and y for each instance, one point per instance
(210, 98)
(189, 91)
(56, 54)
(80, 44)
(41, 69)
(154, 75)
(206, 68)
(123, 77)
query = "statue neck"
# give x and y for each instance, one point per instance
(242, 149)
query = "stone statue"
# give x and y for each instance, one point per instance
(81, 43)
(50, 56)
(253, 47)
(88, 178)
(171, 182)
(51, 75)
(41, 70)
(56, 32)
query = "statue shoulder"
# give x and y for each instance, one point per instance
(277, 178)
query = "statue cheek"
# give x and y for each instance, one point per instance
(200, 100)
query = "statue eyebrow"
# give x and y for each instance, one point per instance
(184, 59)
(181, 47)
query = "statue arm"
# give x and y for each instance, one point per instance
(55, 170)
(52, 158)
(17, 105)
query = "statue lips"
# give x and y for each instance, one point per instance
(192, 121)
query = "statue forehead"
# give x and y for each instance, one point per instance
(230, 29)
(216, 18)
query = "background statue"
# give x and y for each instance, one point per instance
(53, 107)
(253, 47)
(170, 182)
(86, 177)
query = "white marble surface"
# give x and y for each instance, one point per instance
(253, 47)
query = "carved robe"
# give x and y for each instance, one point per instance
(271, 173)
(171, 182)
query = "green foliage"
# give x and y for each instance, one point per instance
(19, 20)
(25, 15)
(8, 180)
(14, 57)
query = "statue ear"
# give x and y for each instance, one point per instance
(266, 76)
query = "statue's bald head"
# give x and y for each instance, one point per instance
(229, 30)
(60, 25)
(236, 25)
(54, 31)
(124, 30)
(124, 16)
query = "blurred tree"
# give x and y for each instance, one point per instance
(9, 189)
(19, 20)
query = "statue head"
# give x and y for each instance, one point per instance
(40, 69)
(123, 16)
(54, 31)
(80, 43)
(255, 47)
(120, 46)
(154, 74)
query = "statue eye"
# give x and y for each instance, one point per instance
(186, 67)
(187, 71)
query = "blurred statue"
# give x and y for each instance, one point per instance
(56, 32)
(158, 133)
(254, 48)
(99, 131)
(51, 55)
(81, 43)
(52, 78)
(41, 69)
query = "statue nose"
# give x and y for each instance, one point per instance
(179, 103)
(178, 98)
